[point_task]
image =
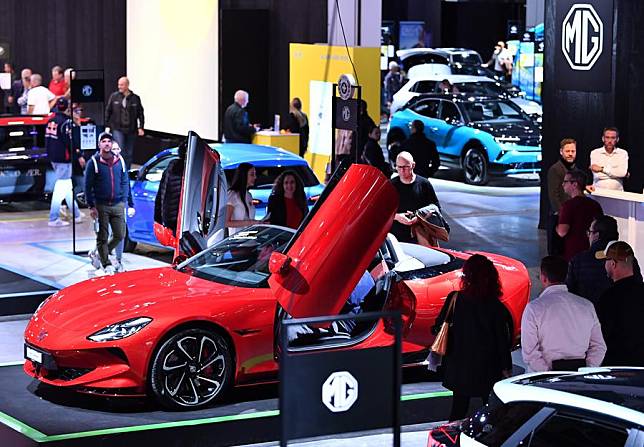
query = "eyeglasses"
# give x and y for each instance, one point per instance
(403, 167)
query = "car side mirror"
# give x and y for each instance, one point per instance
(133, 174)
(279, 263)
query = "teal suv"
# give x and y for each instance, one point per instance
(481, 135)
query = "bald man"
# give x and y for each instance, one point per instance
(415, 192)
(124, 117)
(237, 127)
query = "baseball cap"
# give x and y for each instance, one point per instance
(105, 135)
(616, 250)
(62, 104)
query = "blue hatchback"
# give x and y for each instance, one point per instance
(483, 136)
(269, 162)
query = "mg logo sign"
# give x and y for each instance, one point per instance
(581, 36)
(339, 391)
(87, 90)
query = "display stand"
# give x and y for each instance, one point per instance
(87, 87)
(327, 391)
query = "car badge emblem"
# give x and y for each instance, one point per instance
(42, 334)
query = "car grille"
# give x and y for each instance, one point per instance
(67, 374)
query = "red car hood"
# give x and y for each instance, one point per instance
(91, 305)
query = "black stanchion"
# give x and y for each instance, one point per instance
(87, 86)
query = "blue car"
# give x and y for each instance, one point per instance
(269, 162)
(481, 135)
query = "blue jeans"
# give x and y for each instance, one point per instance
(62, 190)
(126, 141)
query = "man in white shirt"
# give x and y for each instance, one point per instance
(560, 330)
(609, 163)
(40, 99)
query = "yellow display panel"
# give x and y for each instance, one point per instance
(313, 70)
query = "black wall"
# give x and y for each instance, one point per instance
(289, 21)
(583, 115)
(69, 33)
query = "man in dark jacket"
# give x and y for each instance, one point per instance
(237, 127)
(124, 116)
(166, 203)
(586, 274)
(106, 190)
(556, 193)
(422, 149)
(58, 144)
(621, 307)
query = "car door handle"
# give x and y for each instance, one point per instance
(434, 129)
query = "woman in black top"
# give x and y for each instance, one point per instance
(287, 202)
(478, 347)
(299, 123)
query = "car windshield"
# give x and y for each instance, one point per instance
(423, 58)
(467, 58)
(480, 88)
(493, 110)
(266, 175)
(241, 259)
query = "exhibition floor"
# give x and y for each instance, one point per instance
(499, 219)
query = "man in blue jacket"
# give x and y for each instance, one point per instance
(59, 152)
(106, 190)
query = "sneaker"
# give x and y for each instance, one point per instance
(118, 266)
(80, 218)
(108, 270)
(57, 223)
(96, 261)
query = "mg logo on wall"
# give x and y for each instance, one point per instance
(339, 391)
(582, 35)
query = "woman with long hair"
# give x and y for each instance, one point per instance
(299, 123)
(240, 211)
(287, 202)
(479, 340)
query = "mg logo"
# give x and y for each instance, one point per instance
(87, 90)
(582, 35)
(340, 391)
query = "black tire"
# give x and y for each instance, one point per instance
(181, 380)
(130, 245)
(475, 166)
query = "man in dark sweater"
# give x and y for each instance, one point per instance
(237, 128)
(586, 274)
(621, 307)
(106, 190)
(556, 193)
(415, 192)
(372, 153)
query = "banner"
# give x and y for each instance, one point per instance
(583, 45)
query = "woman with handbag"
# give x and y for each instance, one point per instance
(478, 343)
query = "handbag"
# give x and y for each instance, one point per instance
(440, 343)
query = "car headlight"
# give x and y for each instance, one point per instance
(506, 140)
(120, 330)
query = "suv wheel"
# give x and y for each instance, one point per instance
(475, 166)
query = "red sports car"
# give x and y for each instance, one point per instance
(188, 333)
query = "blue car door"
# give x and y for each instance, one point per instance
(450, 129)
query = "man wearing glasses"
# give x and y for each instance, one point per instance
(576, 214)
(621, 307)
(415, 192)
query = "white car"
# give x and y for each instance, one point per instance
(478, 85)
(592, 407)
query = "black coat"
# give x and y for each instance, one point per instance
(277, 210)
(478, 346)
(424, 152)
(237, 127)
(295, 127)
(166, 203)
(372, 155)
(125, 119)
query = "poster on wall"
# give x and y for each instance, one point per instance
(413, 35)
(583, 45)
(320, 117)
